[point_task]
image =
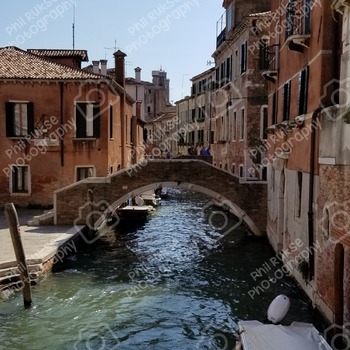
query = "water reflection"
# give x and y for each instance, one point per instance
(171, 283)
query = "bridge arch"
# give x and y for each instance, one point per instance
(247, 201)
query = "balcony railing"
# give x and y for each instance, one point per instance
(221, 38)
(271, 63)
(297, 26)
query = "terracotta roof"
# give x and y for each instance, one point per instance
(61, 53)
(18, 64)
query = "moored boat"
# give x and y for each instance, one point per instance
(150, 198)
(255, 335)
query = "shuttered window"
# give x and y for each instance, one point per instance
(303, 91)
(19, 119)
(274, 109)
(20, 179)
(244, 48)
(286, 101)
(87, 120)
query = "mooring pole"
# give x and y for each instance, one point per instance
(90, 195)
(12, 221)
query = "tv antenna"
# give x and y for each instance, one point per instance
(73, 25)
(114, 48)
(209, 63)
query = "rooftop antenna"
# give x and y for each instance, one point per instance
(73, 25)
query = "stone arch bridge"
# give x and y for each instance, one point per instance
(247, 200)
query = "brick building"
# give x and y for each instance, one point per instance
(194, 114)
(59, 123)
(240, 98)
(307, 156)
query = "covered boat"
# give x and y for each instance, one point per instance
(255, 335)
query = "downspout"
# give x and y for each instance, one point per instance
(310, 213)
(61, 125)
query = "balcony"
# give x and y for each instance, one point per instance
(271, 63)
(221, 30)
(297, 30)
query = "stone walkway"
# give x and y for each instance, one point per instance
(40, 243)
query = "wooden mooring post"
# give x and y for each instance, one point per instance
(12, 221)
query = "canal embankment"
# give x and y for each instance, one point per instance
(43, 247)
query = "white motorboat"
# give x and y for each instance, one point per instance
(255, 335)
(150, 198)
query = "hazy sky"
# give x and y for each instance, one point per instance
(176, 35)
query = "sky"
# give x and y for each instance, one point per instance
(178, 36)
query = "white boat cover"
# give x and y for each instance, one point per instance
(298, 336)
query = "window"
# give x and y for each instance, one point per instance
(20, 179)
(19, 118)
(87, 120)
(290, 18)
(242, 125)
(228, 69)
(263, 123)
(244, 49)
(193, 88)
(111, 121)
(274, 109)
(230, 17)
(201, 116)
(303, 91)
(148, 109)
(193, 114)
(286, 101)
(241, 171)
(85, 172)
(200, 137)
(149, 91)
(234, 127)
(263, 55)
(298, 193)
(222, 74)
(233, 168)
(236, 64)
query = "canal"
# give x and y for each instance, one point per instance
(181, 281)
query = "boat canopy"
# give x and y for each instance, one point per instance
(258, 336)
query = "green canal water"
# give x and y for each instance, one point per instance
(180, 281)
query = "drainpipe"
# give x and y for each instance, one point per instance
(61, 124)
(310, 213)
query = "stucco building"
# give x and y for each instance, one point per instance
(59, 124)
(307, 150)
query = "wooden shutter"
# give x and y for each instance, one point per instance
(9, 106)
(30, 117)
(80, 115)
(96, 114)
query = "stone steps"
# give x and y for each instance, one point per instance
(44, 219)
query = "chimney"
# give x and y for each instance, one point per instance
(120, 67)
(96, 67)
(103, 67)
(138, 109)
(138, 74)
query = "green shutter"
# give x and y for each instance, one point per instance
(9, 106)
(80, 115)
(96, 123)
(30, 117)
